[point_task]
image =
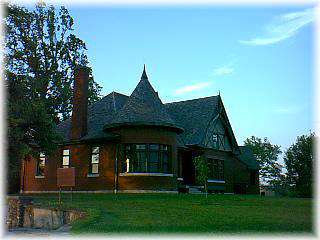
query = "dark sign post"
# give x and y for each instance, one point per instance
(65, 178)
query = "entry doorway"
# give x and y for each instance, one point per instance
(188, 170)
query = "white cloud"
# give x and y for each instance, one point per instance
(191, 88)
(225, 70)
(287, 110)
(283, 27)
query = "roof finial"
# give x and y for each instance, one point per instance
(144, 74)
(219, 92)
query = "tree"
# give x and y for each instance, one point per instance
(30, 128)
(41, 54)
(267, 155)
(202, 171)
(299, 164)
(41, 46)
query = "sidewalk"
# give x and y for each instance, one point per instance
(29, 232)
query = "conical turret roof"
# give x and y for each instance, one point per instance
(143, 107)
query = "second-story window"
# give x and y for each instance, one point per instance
(94, 162)
(215, 140)
(66, 158)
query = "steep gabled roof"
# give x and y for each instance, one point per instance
(190, 118)
(248, 158)
(194, 116)
(143, 107)
(99, 113)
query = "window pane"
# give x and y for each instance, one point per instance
(40, 171)
(66, 152)
(154, 147)
(126, 166)
(132, 164)
(216, 169)
(154, 157)
(153, 168)
(42, 162)
(95, 168)
(40, 166)
(164, 147)
(95, 150)
(95, 158)
(140, 146)
(154, 162)
(65, 160)
(165, 165)
(214, 138)
(141, 162)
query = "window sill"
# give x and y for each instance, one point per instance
(147, 174)
(93, 175)
(216, 181)
(39, 176)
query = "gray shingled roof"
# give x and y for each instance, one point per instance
(143, 107)
(193, 116)
(99, 113)
(247, 157)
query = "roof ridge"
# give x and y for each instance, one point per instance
(113, 92)
(118, 93)
(189, 100)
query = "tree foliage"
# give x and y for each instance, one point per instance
(267, 155)
(201, 171)
(41, 53)
(41, 46)
(299, 164)
(30, 128)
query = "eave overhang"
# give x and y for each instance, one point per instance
(143, 124)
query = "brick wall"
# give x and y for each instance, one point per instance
(80, 155)
(235, 172)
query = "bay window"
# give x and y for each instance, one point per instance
(146, 158)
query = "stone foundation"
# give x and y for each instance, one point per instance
(22, 213)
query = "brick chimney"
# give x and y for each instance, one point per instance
(80, 103)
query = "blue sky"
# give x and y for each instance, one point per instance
(259, 58)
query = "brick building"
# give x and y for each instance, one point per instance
(136, 143)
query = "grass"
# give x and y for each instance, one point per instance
(185, 213)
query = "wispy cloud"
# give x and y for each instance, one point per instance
(283, 27)
(191, 88)
(287, 110)
(225, 70)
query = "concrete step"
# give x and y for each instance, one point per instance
(195, 190)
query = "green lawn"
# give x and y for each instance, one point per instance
(185, 213)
